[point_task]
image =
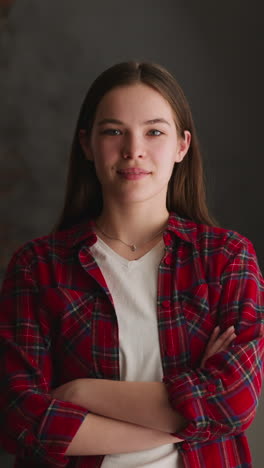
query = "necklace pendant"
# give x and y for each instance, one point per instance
(133, 247)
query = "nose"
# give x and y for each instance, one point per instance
(132, 147)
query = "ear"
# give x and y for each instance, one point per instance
(85, 144)
(184, 144)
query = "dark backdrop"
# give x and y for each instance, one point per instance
(51, 51)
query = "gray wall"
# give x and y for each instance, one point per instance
(51, 51)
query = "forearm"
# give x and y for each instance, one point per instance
(142, 403)
(98, 435)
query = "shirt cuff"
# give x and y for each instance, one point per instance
(59, 426)
(189, 396)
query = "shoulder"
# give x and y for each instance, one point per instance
(213, 237)
(47, 248)
(210, 239)
(215, 250)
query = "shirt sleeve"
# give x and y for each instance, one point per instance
(220, 399)
(32, 423)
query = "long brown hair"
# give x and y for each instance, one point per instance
(186, 188)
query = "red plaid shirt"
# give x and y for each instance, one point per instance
(57, 323)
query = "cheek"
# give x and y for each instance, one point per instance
(164, 157)
(104, 162)
(105, 150)
(166, 147)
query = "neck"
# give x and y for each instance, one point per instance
(134, 225)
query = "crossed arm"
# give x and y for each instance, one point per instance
(132, 416)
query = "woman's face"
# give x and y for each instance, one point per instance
(134, 144)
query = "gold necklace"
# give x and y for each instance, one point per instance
(132, 247)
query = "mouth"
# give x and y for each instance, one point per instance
(134, 171)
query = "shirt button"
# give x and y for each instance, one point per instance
(165, 304)
(92, 239)
(168, 260)
(211, 388)
(167, 238)
(185, 445)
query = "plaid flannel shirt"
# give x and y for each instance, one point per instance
(58, 323)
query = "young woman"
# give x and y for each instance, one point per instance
(132, 335)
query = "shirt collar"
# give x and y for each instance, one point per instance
(183, 228)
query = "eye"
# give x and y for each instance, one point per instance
(111, 131)
(155, 132)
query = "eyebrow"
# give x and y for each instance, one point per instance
(147, 122)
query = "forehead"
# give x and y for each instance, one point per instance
(134, 100)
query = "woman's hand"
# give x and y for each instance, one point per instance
(218, 342)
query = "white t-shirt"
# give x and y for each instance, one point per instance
(133, 286)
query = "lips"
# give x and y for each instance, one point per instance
(133, 171)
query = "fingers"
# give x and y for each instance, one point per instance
(225, 338)
(218, 342)
(214, 336)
